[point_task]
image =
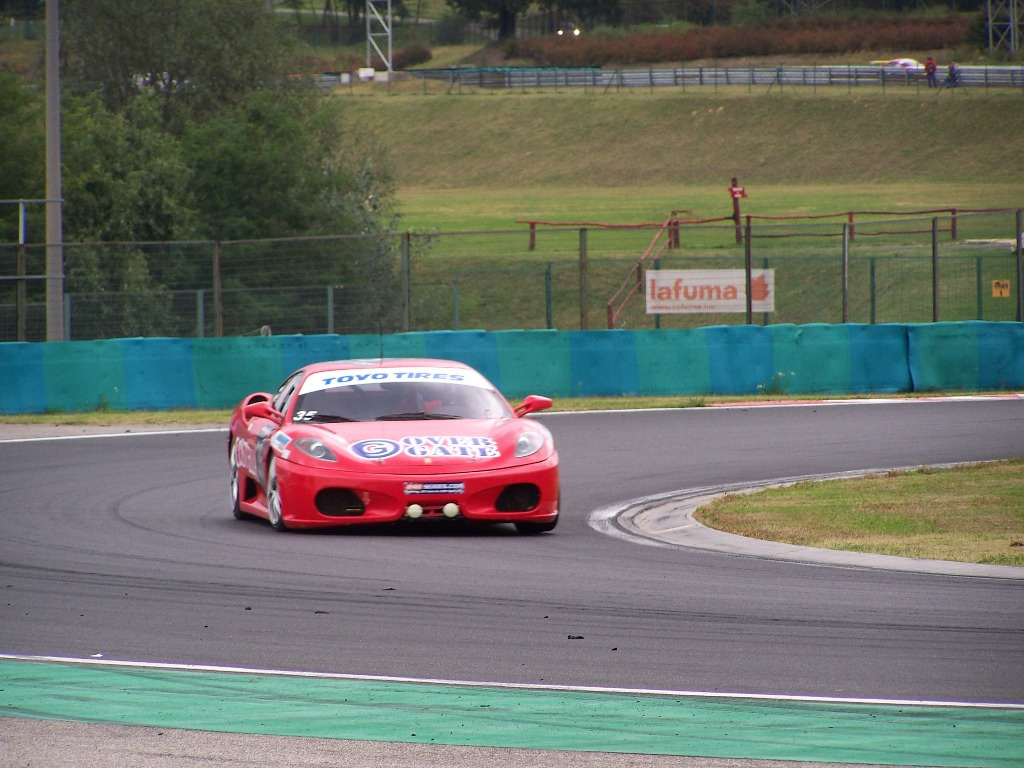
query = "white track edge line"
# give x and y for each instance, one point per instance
(508, 686)
(203, 430)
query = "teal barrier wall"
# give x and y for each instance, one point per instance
(972, 355)
(136, 374)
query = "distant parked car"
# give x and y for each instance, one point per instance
(909, 66)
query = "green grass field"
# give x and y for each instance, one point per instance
(480, 162)
(970, 514)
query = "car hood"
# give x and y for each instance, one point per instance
(413, 446)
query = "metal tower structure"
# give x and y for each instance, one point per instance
(1006, 26)
(378, 28)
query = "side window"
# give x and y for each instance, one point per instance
(283, 397)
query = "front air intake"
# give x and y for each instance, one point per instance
(339, 502)
(521, 497)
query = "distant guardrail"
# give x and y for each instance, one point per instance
(685, 77)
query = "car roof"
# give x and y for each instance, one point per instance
(383, 362)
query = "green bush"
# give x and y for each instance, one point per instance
(411, 56)
(816, 36)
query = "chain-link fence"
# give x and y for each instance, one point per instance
(863, 268)
(301, 285)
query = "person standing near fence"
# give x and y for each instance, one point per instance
(953, 78)
(930, 68)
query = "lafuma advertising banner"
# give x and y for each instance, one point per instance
(708, 290)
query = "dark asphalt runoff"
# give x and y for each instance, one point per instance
(123, 547)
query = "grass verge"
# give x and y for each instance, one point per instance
(971, 514)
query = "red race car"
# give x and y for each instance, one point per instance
(376, 441)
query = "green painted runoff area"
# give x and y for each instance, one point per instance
(422, 713)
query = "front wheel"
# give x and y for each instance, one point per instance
(236, 489)
(274, 510)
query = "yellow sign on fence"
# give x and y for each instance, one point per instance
(1000, 289)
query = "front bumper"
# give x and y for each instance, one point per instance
(315, 497)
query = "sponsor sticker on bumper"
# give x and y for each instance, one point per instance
(432, 489)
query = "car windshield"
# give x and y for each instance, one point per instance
(399, 401)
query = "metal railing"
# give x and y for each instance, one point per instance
(702, 77)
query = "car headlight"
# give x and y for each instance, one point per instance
(315, 449)
(528, 443)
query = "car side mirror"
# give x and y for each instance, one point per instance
(533, 403)
(262, 410)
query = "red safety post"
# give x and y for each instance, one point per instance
(533, 235)
(673, 232)
(736, 192)
(853, 229)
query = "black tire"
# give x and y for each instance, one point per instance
(275, 512)
(532, 529)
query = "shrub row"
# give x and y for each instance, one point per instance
(724, 42)
(403, 58)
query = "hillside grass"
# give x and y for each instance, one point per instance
(669, 139)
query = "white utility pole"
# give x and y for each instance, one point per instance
(378, 25)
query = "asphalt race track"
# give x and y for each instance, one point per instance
(124, 548)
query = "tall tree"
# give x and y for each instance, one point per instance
(213, 74)
(21, 158)
(502, 13)
(124, 178)
(181, 123)
(281, 165)
(195, 56)
(589, 12)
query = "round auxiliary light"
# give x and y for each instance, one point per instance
(414, 511)
(451, 509)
